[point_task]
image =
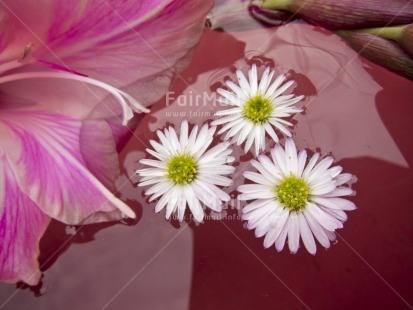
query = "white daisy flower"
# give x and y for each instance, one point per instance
(294, 199)
(185, 173)
(258, 108)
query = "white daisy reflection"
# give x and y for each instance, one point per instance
(293, 198)
(185, 172)
(257, 108)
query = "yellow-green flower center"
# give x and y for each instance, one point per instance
(258, 109)
(182, 169)
(293, 193)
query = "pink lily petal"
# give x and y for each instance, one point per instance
(123, 43)
(99, 151)
(101, 133)
(50, 169)
(18, 215)
(65, 159)
(155, 37)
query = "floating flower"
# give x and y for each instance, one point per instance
(294, 199)
(185, 173)
(259, 107)
(69, 76)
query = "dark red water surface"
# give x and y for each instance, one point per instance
(355, 110)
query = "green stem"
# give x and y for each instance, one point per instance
(277, 4)
(393, 33)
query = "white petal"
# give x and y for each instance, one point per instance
(216, 170)
(173, 139)
(162, 202)
(310, 165)
(203, 140)
(321, 167)
(279, 243)
(324, 219)
(331, 235)
(229, 98)
(215, 179)
(277, 227)
(250, 188)
(155, 172)
(323, 189)
(262, 229)
(256, 177)
(243, 83)
(259, 143)
(293, 232)
(265, 80)
(237, 90)
(230, 125)
(183, 135)
(249, 142)
(276, 118)
(280, 90)
(156, 154)
(317, 230)
(214, 152)
(236, 111)
(247, 128)
(335, 171)
(302, 158)
(159, 189)
(181, 208)
(271, 132)
(343, 178)
(236, 128)
(278, 156)
(159, 148)
(165, 142)
(338, 214)
(269, 166)
(270, 237)
(341, 191)
(172, 203)
(219, 192)
(194, 204)
(256, 204)
(253, 78)
(225, 119)
(291, 156)
(287, 101)
(153, 163)
(306, 234)
(335, 203)
(261, 169)
(270, 91)
(207, 197)
(258, 217)
(263, 194)
(276, 123)
(145, 181)
(192, 137)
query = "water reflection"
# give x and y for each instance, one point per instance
(355, 110)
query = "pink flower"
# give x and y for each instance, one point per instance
(69, 73)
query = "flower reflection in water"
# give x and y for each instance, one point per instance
(353, 117)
